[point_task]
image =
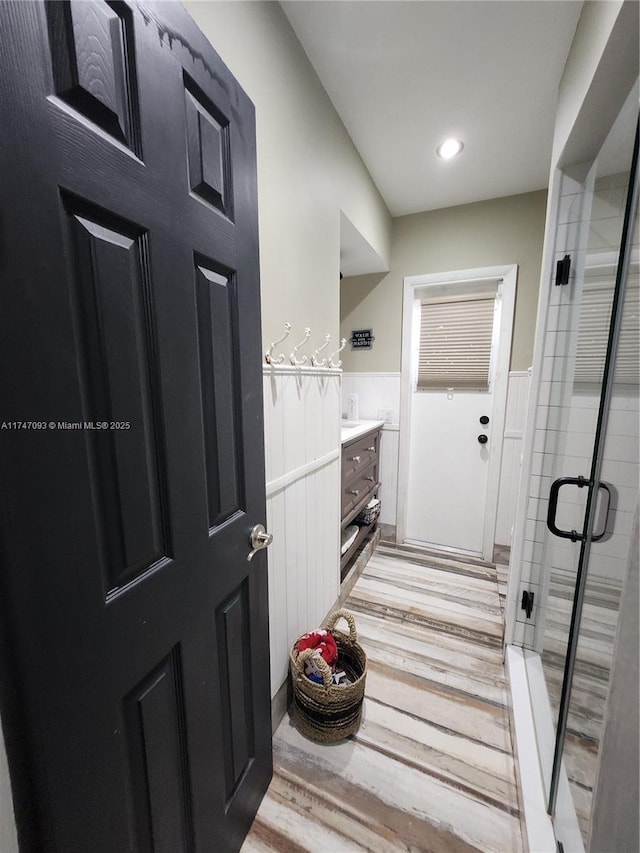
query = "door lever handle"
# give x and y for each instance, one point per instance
(259, 539)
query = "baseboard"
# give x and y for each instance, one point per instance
(358, 566)
(387, 532)
(537, 829)
(280, 703)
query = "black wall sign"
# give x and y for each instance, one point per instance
(362, 339)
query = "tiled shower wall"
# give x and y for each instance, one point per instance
(302, 447)
(380, 391)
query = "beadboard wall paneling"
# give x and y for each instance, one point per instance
(302, 449)
(388, 474)
(375, 391)
(517, 396)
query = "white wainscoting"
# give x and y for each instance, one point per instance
(517, 396)
(302, 449)
(388, 474)
(376, 391)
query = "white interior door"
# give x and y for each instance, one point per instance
(449, 468)
(448, 479)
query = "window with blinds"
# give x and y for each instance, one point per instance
(455, 342)
(593, 335)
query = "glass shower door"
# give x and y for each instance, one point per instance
(605, 560)
(574, 496)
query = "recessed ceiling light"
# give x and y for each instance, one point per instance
(449, 149)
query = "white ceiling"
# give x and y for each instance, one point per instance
(403, 76)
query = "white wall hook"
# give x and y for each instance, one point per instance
(303, 360)
(338, 363)
(322, 362)
(269, 354)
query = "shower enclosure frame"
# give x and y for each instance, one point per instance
(527, 680)
(587, 534)
(613, 74)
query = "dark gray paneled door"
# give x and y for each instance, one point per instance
(135, 688)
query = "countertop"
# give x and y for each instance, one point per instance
(354, 429)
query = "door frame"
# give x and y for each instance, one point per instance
(509, 275)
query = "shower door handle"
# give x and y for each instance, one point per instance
(580, 482)
(597, 538)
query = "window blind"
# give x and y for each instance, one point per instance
(455, 342)
(593, 334)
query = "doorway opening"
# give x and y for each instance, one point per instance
(453, 407)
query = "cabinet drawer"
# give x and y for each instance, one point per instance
(362, 484)
(358, 456)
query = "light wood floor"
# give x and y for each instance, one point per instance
(432, 767)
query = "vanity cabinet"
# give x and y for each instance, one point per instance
(360, 471)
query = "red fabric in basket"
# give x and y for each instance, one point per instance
(323, 642)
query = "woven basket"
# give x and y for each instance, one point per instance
(328, 712)
(369, 514)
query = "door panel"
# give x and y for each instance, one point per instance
(93, 63)
(135, 630)
(155, 730)
(232, 624)
(207, 150)
(116, 345)
(216, 309)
